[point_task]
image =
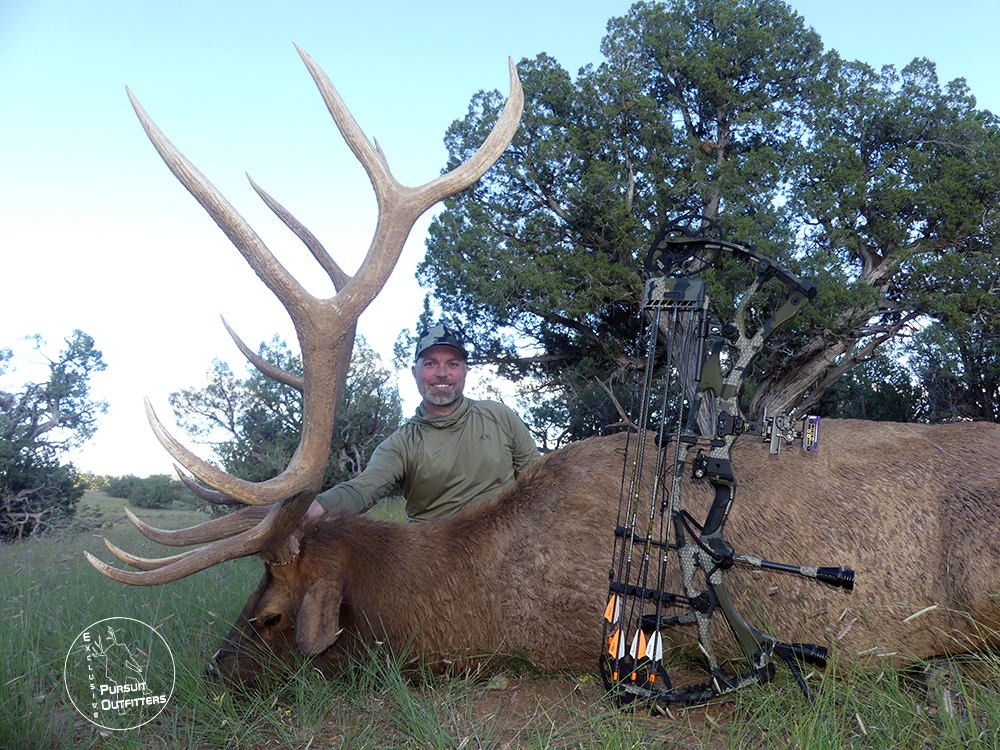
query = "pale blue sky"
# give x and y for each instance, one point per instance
(96, 234)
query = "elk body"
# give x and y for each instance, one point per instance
(912, 508)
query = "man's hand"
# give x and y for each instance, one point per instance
(315, 511)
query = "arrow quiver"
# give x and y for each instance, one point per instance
(688, 418)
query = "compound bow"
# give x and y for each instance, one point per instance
(703, 368)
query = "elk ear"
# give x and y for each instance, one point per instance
(318, 623)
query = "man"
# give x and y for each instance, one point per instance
(453, 452)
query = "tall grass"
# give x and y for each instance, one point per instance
(48, 594)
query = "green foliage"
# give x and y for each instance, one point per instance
(590, 408)
(159, 491)
(156, 491)
(38, 422)
(35, 490)
(958, 367)
(122, 486)
(880, 389)
(253, 424)
(875, 185)
(91, 481)
(370, 410)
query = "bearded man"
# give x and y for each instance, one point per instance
(453, 452)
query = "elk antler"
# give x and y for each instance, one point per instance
(324, 327)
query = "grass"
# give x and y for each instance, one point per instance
(49, 594)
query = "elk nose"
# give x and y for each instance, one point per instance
(229, 667)
(221, 668)
(271, 619)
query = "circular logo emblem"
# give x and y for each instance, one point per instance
(119, 673)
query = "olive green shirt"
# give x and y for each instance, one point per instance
(442, 463)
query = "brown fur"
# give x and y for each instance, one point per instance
(912, 508)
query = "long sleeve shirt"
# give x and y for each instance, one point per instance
(442, 463)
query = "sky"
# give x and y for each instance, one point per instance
(96, 234)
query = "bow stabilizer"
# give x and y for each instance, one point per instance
(689, 416)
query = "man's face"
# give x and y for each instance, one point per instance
(440, 375)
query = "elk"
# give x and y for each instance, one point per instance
(911, 508)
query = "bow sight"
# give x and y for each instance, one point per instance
(690, 421)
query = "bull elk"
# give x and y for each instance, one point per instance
(912, 508)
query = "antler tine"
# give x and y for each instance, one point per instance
(272, 371)
(144, 563)
(487, 154)
(202, 533)
(336, 274)
(271, 272)
(208, 495)
(374, 162)
(151, 574)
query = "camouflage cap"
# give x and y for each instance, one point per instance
(440, 335)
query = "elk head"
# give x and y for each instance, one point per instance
(325, 330)
(296, 607)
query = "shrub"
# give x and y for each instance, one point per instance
(93, 481)
(122, 486)
(35, 490)
(157, 491)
